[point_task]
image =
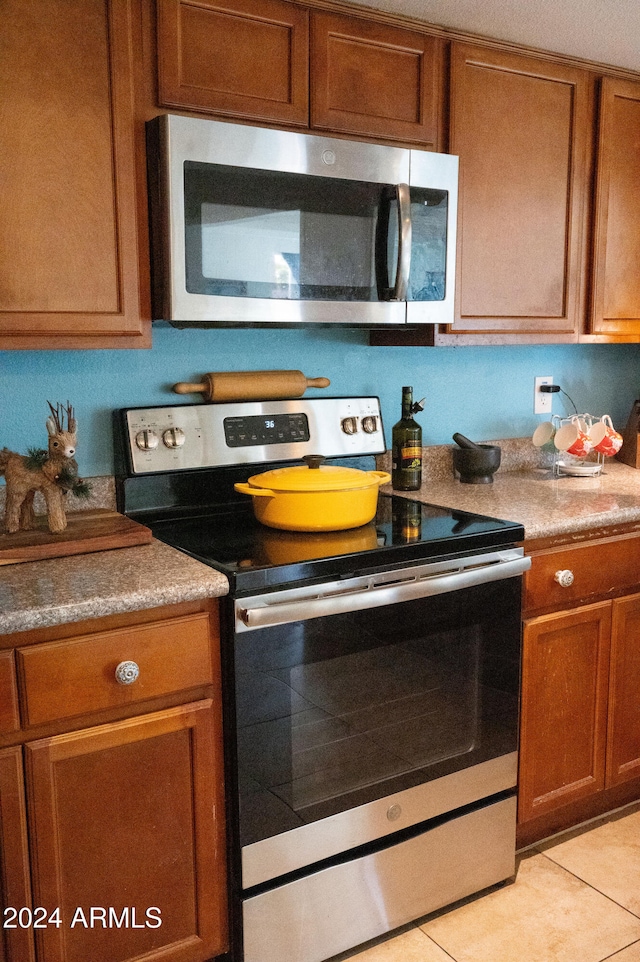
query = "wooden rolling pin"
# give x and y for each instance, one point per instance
(251, 385)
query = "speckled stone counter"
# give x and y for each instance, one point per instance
(525, 490)
(38, 594)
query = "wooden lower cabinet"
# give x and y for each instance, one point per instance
(623, 734)
(580, 717)
(123, 840)
(112, 825)
(564, 708)
(16, 942)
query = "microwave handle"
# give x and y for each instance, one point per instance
(399, 292)
(400, 193)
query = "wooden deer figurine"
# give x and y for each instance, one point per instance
(54, 472)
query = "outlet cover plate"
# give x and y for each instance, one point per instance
(541, 401)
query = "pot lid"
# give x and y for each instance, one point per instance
(313, 476)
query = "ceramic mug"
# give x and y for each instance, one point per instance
(606, 440)
(543, 434)
(573, 438)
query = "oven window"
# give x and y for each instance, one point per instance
(338, 711)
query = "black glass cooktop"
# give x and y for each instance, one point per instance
(255, 557)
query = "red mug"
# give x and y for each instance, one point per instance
(574, 439)
(606, 440)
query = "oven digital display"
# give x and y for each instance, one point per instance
(261, 429)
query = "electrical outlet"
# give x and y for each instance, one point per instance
(542, 401)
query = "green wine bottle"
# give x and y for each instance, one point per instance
(406, 446)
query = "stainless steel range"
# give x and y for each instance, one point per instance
(371, 677)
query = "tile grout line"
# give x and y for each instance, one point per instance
(433, 942)
(584, 882)
(623, 949)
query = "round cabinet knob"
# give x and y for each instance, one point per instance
(350, 425)
(127, 672)
(564, 578)
(370, 424)
(147, 440)
(173, 437)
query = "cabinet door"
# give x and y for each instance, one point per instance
(242, 58)
(616, 269)
(373, 79)
(16, 943)
(68, 245)
(623, 735)
(127, 818)
(564, 708)
(521, 127)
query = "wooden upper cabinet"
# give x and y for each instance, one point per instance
(522, 129)
(374, 79)
(69, 272)
(616, 267)
(242, 58)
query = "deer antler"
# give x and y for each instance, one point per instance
(57, 414)
(71, 420)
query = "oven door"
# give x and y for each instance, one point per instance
(370, 705)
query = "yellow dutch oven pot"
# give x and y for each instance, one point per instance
(314, 497)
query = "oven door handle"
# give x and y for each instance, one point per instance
(272, 612)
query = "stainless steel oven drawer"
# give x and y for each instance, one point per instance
(314, 918)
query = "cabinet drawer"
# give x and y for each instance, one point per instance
(9, 720)
(66, 678)
(599, 569)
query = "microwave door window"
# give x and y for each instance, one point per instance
(429, 211)
(266, 234)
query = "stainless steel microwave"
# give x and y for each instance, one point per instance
(252, 226)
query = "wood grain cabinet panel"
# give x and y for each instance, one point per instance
(129, 816)
(69, 270)
(9, 719)
(522, 129)
(67, 678)
(243, 58)
(375, 79)
(16, 944)
(564, 708)
(616, 268)
(600, 568)
(623, 734)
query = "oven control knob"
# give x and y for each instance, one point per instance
(173, 437)
(147, 440)
(564, 578)
(350, 425)
(370, 424)
(394, 813)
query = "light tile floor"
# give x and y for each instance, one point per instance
(576, 898)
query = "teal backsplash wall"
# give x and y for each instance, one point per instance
(483, 392)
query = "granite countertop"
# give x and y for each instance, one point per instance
(38, 594)
(526, 491)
